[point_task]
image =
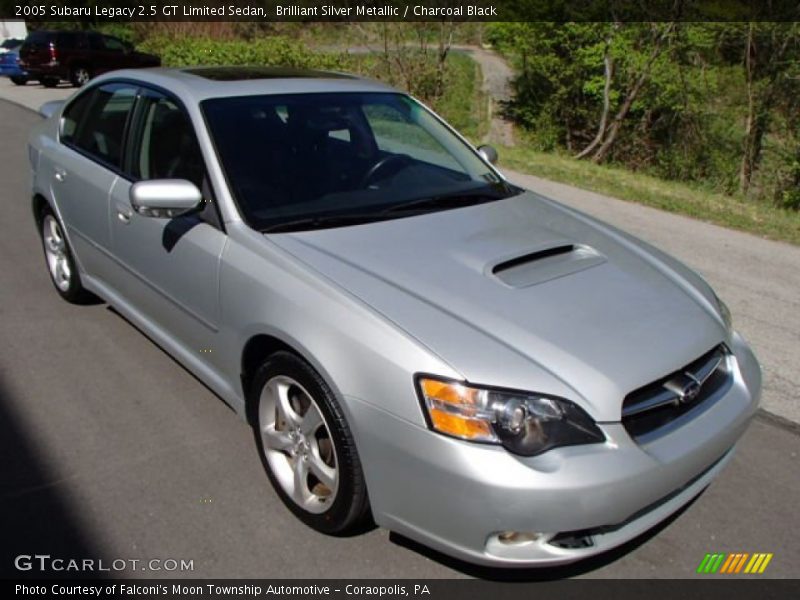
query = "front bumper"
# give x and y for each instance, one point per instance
(457, 496)
(11, 71)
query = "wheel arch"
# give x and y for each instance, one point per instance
(255, 351)
(79, 62)
(261, 345)
(38, 204)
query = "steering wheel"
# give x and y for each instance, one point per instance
(390, 164)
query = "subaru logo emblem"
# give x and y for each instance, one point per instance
(689, 392)
(686, 388)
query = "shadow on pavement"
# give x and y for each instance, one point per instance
(35, 516)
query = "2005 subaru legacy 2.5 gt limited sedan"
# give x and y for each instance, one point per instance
(413, 338)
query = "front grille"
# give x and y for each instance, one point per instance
(658, 404)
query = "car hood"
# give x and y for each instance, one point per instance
(525, 293)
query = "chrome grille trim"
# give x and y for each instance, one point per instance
(670, 393)
(653, 407)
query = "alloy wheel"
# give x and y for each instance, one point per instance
(297, 444)
(55, 249)
(81, 76)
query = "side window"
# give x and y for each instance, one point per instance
(73, 115)
(102, 130)
(168, 148)
(113, 44)
(96, 41)
(66, 41)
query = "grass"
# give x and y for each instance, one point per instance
(758, 218)
(463, 104)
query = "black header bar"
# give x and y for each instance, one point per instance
(98, 11)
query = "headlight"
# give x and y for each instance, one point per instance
(724, 312)
(524, 423)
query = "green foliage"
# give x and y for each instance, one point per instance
(789, 196)
(123, 31)
(264, 51)
(462, 104)
(688, 119)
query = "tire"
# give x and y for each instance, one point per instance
(60, 262)
(79, 76)
(284, 392)
(49, 82)
(19, 80)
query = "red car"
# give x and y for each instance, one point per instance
(77, 56)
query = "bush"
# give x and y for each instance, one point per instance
(268, 51)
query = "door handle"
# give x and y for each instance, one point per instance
(60, 174)
(124, 213)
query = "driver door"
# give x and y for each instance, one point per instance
(170, 266)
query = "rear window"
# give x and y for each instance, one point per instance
(67, 41)
(10, 44)
(39, 37)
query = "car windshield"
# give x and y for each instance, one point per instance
(309, 161)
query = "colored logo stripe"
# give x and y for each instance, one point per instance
(723, 563)
(758, 564)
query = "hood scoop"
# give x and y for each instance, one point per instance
(545, 263)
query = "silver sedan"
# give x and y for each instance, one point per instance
(413, 339)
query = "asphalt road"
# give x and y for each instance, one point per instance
(110, 450)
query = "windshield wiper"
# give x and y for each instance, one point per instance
(451, 200)
(321, 222)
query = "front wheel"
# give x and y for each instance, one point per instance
(49, 82)
(60, 263)
(306, 446)
(19, 80)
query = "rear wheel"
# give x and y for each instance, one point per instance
(19, 80)
(49, 82)
(80, 76)
(60, 263)
(306, 446)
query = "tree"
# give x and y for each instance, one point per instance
(769, 49)
(660, 34)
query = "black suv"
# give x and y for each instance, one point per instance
(77, 56)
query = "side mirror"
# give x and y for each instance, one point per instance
(164, 198)
(488, 153)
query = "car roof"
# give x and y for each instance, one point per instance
(195, 84)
